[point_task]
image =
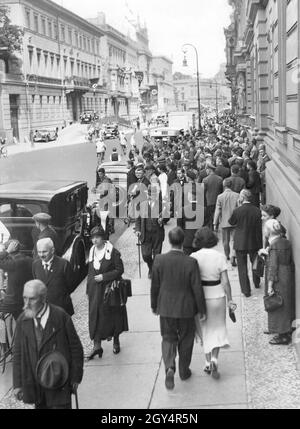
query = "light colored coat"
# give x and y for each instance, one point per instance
(226, 204)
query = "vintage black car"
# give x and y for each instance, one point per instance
(88, 116)
(66, 203)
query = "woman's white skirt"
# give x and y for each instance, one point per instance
(212, 331)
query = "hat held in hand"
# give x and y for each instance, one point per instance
(52, 370)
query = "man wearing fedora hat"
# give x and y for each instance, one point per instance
(47, 353)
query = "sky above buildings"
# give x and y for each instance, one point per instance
(171, 23)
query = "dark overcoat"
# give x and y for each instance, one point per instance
(59, 334)
(176, 290)
(60, 282)
(104, 321)
(19, 269)
(248, 228)
(281, 271)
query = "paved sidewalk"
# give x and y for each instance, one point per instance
(254, 374)
(139, 365)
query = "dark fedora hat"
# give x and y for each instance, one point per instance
(52, 370)
(98, 231)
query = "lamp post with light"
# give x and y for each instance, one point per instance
(198, 79)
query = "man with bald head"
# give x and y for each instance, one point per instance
(56, 273)
(47, 353)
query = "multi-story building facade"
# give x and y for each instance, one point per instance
(51, 81)
(139, 82)
(121, 62)
(214, 93)
(162, 76)
(263, 56)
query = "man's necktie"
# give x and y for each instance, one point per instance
(39, 331)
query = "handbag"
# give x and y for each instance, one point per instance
(273, 302)
(117, 292)
(232, 315)
(259, 266)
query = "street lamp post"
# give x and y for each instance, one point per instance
(198, 79)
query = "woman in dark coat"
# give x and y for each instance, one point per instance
(280, 279)
(269, 212)
(105, 266)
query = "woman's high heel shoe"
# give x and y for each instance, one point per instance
(214, 370)
(94, 353)
(116, 349)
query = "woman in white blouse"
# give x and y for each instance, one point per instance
(216, 286)
(105, 266)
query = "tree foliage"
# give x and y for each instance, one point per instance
(10, 35)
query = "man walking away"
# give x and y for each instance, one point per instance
(213, 186)
(226, 204)
(177, 296)
(238, 183)
(247, 238)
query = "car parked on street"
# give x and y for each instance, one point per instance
(45, 135)
(65, 201)
(88, 116)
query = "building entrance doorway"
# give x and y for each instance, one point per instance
(14, 102)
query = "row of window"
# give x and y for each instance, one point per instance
(48, 62)
(48, 27)
(46, 99)
(117, 54)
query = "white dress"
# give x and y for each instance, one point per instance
(213, 330)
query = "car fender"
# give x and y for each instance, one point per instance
(69, 255)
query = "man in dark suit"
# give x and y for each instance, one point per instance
(177, 296)
(213, 186)
(19, 269)
(254, 182)
(247, 238)
(56, 273)
(149, 227)
(137, 192)
(41, 329)
(238, 183)
(43, 230)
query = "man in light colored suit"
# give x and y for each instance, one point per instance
(226, 204)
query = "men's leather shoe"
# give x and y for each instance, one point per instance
(187, 375)
(247, 295)
(169, 382)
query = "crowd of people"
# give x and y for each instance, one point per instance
(190, 287)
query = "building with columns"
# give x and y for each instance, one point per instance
(51, 81)
(263, 71)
